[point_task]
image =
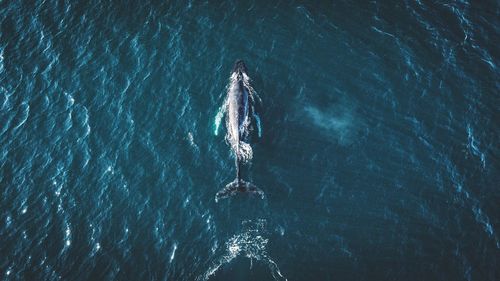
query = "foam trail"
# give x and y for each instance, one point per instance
(251, 244)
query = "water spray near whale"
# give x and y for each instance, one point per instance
(241, 119)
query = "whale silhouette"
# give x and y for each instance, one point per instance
(239, 111)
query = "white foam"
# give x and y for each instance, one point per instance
(251, 244)
(190, 138)
(70, 98)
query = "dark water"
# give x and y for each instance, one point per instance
(379, 157)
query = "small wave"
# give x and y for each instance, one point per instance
(172, 255)
(70, 100)
(5, 99)
(479, 215)
(25, 112)
(473, 146)
(1, 59)
(383, 32)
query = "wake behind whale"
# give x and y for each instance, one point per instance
(251, 242)
(239, 110)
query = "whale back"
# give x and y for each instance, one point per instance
(238, 113)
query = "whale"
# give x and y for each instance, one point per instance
(241, 120)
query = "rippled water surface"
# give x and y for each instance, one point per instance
(379, 153)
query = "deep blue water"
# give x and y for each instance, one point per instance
(379, 157)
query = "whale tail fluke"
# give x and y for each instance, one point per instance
(238, 186)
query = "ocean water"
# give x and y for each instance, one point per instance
(379, 153)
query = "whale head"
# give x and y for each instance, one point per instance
(240, 67)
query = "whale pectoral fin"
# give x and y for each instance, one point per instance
(257, 122)
(218, 118)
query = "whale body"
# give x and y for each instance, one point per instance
(240, 115)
